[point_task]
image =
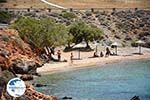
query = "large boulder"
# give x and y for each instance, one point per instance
(15, 54)
(26, 77)
(21, 66)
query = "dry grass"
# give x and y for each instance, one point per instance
(80, 4)
(102, 3)
(24, 4)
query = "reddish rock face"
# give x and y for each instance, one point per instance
(17, 56)
(34, 95)
(13, 49)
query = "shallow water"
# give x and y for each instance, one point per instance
(120, 81)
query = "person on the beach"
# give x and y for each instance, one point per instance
(107, 52)
(52, 50)
(71, 57)
(95, 54)
(101, 54)
(59, 55)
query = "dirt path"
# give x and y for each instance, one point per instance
(54, 5)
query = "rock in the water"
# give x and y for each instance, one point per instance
(39, 85)
(26, 77)
(67, 98)
(135, 98)
(34, 95)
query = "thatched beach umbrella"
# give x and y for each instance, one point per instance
(115, 45)
(80, 45)
(140, 43)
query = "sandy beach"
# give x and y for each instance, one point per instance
(125, 54)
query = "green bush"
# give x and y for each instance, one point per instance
(41, 32)
(46, 32)
(5, 17)
(69, 15)
(5, 38)
(3, 1)
(134, 44)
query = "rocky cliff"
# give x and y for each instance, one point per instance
(16, 57)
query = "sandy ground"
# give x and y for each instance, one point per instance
(124, 54)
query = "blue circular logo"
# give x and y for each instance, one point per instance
(16, 87)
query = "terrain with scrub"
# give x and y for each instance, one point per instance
(79, 4)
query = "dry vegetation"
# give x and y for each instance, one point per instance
(24, 4)
(102, 3)
(80, 4)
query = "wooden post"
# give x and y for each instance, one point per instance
(139, 49)
(79, 54)
(116, 50)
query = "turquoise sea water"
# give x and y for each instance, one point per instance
(119, 81)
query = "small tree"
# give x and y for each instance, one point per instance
(3, 1)
(82, 31)
(41, 32)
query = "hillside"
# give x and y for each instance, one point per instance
(24, 4)
(102, 3)
(124, 26)
(79, 4)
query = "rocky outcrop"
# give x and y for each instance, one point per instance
(30, 93)
(34, 95)
(15, 55)
(21, 66)
(26, 77)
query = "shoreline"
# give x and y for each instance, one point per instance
(88, 63)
